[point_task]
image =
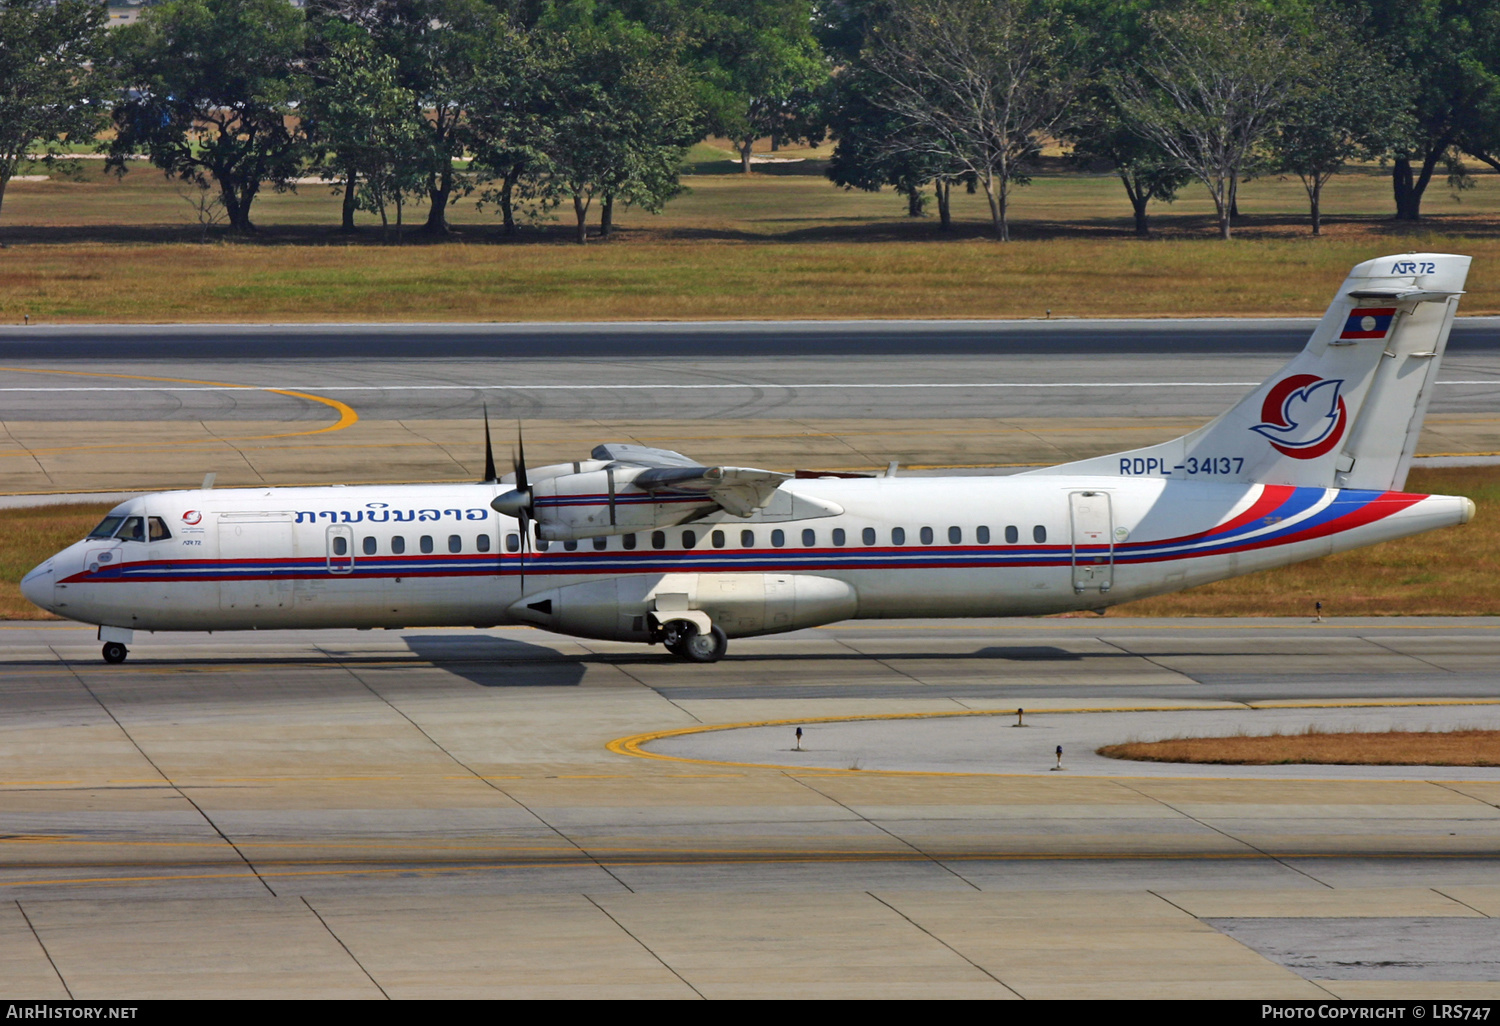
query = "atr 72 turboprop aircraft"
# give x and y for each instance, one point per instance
(646, 545)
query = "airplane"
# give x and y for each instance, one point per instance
(646, 545)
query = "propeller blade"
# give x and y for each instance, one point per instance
(490, 477)
(520, 462)
(524, 523)
(523, 515)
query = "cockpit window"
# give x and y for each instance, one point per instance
(157, 529)
(106, 528)
(134, 529)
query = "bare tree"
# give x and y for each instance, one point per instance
(979, 83)
(1212, 91)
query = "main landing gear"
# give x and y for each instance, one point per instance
(685, 641)
(114, 652)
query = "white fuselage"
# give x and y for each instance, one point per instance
(409, 556)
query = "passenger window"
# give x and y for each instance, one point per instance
(455, 543)
(718, 539)
(512, 543)
(747, 539)
(627, 541)
(1039, 534)
(158, 529)
(398, 545)
(134, 529)
(868, 536)
(601, 542)
(689, 539)
(982, 535)
(658, 539)
(955, 535)
(542, 545)
(898, 536)
(369, 546)
(425, 543)
(570, 546)
(106, 528)
(1012, 535)
(340, 545)
(926, 535)
(482, 543)
(778, 538)
(809, 537)
(838, 536)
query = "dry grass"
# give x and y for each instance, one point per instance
(28, 536)
(1392, 748)
(784, 243)
(1452, 572)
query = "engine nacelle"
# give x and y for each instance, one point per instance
(742, 605)
(611, 500)
(604, 501)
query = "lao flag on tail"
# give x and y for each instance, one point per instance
(1368, 322)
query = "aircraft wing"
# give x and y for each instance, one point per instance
(739, 490)
(641, 455)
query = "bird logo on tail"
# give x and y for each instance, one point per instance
(1303, 416)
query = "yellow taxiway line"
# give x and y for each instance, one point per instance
(632, 745)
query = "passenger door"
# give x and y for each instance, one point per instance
(1092, 524)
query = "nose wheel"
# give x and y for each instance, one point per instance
(114, 652)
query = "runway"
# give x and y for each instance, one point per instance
(603, 372)
(107, 410)
(409, 813)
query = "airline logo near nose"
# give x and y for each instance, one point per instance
(1303, 416)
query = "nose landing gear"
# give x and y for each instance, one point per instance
(114, 652)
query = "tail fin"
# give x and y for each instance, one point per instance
(1346, 411)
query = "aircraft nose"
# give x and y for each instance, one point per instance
(37, 586)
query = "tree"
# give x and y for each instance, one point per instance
(869, 157)
(622, 113)
(210, 90)
(1096, 127)
(1210, 89)
(371, 124)
(1348, 105)
(48, 93)
(1446, 60)
(509, 122)
(976, 85)
(1099, 131)
(761, 71)
(439, 47)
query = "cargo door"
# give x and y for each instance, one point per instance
(1093, 541)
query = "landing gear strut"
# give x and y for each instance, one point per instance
(114, 652)
(685, 641)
